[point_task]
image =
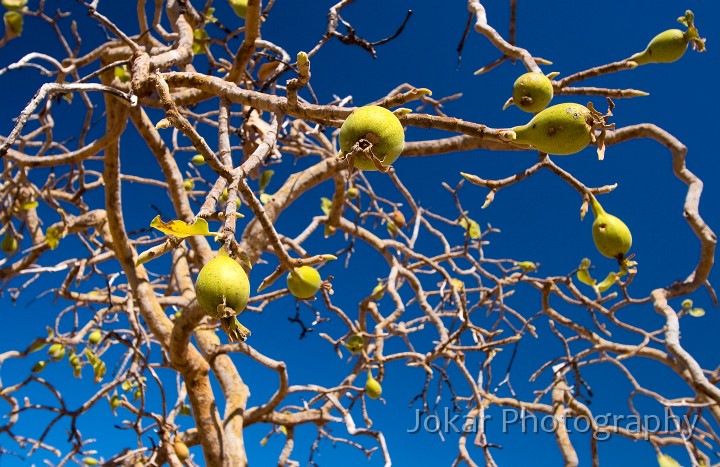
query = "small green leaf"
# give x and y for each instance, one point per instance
(326, 205)
(667, 461)
(526, 266)
(472, 227)
(583, 273)
(697, 312)
(200, 39)
(53, 236)
(121, 73)
(28, 205)
(265, 179)
(181, 229)
(607, 282)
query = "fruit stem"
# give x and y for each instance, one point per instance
(597, 209)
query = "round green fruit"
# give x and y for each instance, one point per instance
(380, 127)
(9, 244)
(355, 343)
(95, 337)
(222, 283)
(561, 129)
(188, 184)
(532, 92)
(304, 282)
(198, 159)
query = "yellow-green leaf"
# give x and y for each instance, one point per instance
(265, 179)
(526, 266)
(200, 38)
(181, 229)
(667, 461)
(583, 273)
(53, 236)
(325, 205)
(472, 227)
(607, 282)
(122, 74)
(697, 312)
(28, 205)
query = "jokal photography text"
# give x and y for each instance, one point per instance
(601, 426)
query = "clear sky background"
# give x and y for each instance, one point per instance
(538, 218)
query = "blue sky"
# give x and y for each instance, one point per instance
(538, 218)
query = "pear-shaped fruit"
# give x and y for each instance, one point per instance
(198, 159)
(372, 387)
(353, 192)
(666, 47)
(669, 46)
(532, 92)
(239, 7)
(355, 343)
(222, 284)
(181, 450)
(304, 282)
(380, 127)
(561, 129)
(612, 237)
(9, 244)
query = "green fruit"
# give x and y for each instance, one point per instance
(666, 47)
(181, 450)
(353, 192)
(198, 159)
(561, 129)
(532, 92)
(380, 127)
(355, 343)
(221, 284)
(95, 337)
(669, 46)
(56, 352)
(91, 461)
(304, 282)
(612, 237)
(188, 184)
(9, 244)
(239, 7)
(686, 304)
(372, 387)
(39, 366)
